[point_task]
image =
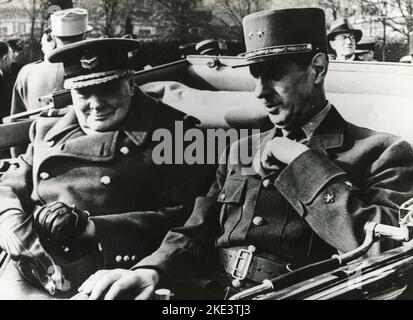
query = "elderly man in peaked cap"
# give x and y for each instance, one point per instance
(343, 39)
(88, 194)
(313, 184)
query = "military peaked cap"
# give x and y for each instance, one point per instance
(275, 33)
(96, 61)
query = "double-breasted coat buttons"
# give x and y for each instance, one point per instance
(105, 180)
(44, 176)
(258, 221)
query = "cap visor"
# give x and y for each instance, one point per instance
(73, 49)
(260, 60)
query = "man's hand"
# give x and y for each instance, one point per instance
(283, 150)
(111, 284)
(59, 224)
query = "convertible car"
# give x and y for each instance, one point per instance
(370, 94)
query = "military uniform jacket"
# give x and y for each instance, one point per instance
(132, 201)
(304, 212)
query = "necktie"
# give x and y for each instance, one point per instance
(296, 135)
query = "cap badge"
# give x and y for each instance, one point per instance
(89, 63)
(260, 33)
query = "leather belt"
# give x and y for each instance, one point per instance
(242, 264)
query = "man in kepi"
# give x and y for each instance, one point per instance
(87, 194)
(313, 184)
(343, 39)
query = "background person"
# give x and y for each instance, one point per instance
(42, 77)
(365, 49)
(343, 39)
(208, 47)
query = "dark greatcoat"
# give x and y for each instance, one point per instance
(132, 201)
(311, 209)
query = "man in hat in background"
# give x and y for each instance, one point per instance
(343, 39)
(88, 194)
(208, 47)
(365, 49)
(314, 182)
(42, 78)
(16, 47)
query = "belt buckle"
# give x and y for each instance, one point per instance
(242, 264)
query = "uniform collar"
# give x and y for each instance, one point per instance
(313, 124)
(328, 135)
(138, 125)
(310, 127)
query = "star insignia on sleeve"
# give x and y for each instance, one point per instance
(260, 33)
(250, 35)
(329, 197)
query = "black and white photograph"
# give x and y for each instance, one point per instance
(234, 151)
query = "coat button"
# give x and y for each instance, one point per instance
(258, 221)
(118, 259)
(266, 183)
(44, 176)
(105, 180)
(134, 258)
(236, 283)
(252, 248)
(124, 150)
(126, 258)
(222, 196)
(50, 143)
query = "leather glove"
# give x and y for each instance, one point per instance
(58, 224)
(23, 245)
